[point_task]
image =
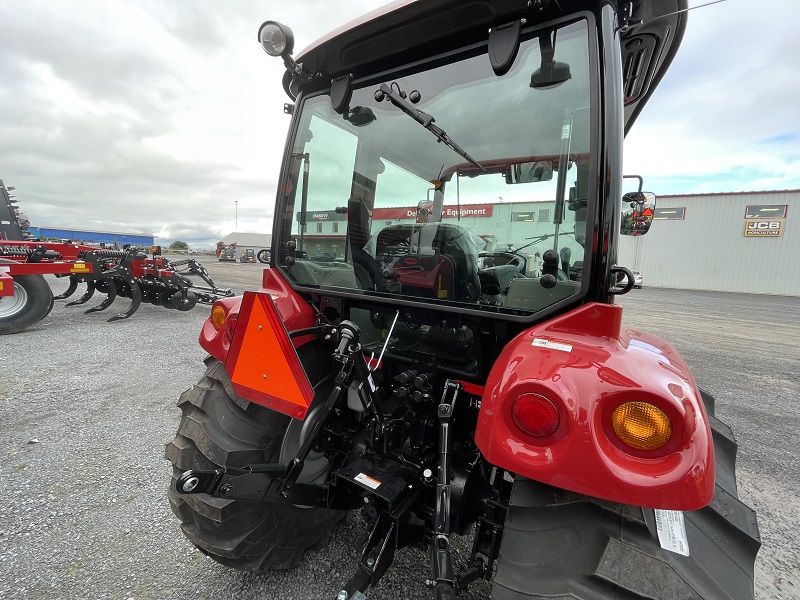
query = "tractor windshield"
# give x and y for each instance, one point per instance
(448, 183)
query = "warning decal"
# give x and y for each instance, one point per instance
(542, 343)
(672, 531)
(368, 481)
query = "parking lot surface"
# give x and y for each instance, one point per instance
(87, 406)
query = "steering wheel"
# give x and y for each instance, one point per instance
(510, 258)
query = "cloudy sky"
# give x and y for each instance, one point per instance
(166, 117)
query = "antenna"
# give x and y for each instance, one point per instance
(629, 22)
(691, 8)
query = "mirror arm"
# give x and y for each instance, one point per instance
(639, 177)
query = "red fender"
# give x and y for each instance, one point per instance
(587, 364)
(294, 311)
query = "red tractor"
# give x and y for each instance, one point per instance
(226, 252)
(433, 384)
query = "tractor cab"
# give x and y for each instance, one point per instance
(464, 186)
(428, 165)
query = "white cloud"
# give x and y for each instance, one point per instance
(168, 117)
(725, 117)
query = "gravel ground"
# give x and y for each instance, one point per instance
(87, 406)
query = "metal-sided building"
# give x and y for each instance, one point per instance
(244, 241)
(501, 225)
(736, 242)
(730, 242)
(93, 237)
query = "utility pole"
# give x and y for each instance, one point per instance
(236, 227)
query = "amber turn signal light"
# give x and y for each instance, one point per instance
(218, 316)
(641, 426)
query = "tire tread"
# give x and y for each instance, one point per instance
(559, 544)
(219, 429)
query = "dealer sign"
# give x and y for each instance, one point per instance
(763, 228)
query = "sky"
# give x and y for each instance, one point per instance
(167, 117)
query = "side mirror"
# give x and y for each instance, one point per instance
(424, 211)
(637, 213)
(530, 172)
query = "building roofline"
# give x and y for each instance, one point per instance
(761, 193)
(93, 230)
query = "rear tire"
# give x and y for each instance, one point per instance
(218, 428)
(52, 303)
(559, 544)
(32, 301)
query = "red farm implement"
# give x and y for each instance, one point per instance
(26, 297)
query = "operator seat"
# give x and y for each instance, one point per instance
(437, 260)
(358, 235)
(456, 243)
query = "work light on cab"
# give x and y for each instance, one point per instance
(535, 415)
(641, 425)
(276, 39)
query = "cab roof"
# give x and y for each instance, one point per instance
(408, 30)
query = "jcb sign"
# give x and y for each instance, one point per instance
(763, 228)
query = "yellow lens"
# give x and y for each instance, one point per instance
(218, 316)
(641, 425)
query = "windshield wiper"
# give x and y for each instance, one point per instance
(426, 121)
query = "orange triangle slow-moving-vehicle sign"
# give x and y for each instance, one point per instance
(263, 364)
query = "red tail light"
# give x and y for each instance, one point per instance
(231, 326)
(535, 415)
